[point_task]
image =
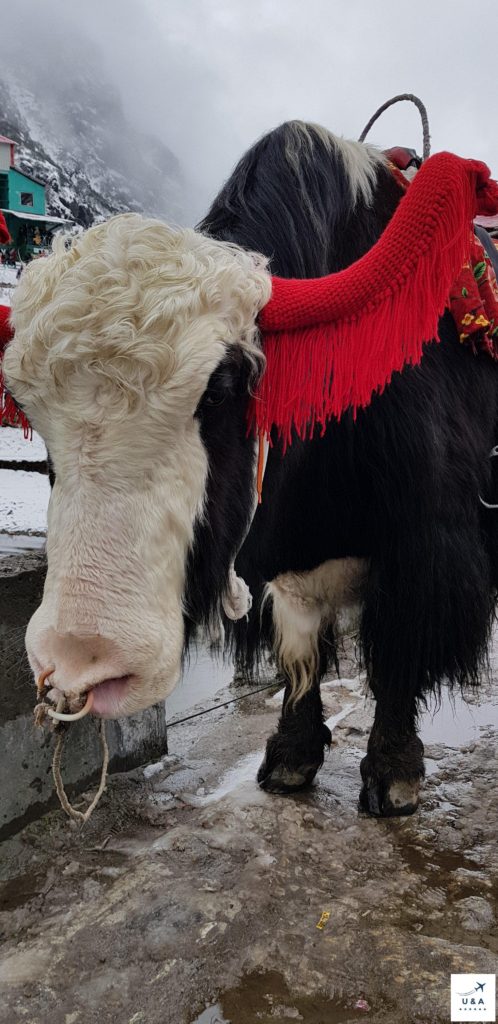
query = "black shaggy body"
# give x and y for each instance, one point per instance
(399, 487)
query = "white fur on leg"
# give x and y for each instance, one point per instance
(303, 604)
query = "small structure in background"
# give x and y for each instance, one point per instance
(23, 203)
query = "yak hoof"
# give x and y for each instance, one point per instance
(285, 770)
(282, 780)
(390, 799)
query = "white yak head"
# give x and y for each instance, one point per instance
(133, 353)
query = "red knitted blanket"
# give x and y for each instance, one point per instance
(331, 342)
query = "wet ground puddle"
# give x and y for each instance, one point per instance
(457, 722)
(438, 870)
(265, 999)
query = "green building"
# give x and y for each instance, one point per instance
(22, 201)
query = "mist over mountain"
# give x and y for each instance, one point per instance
(58, 105)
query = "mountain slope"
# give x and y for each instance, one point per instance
(73, 135)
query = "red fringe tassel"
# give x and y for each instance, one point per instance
(331, 342)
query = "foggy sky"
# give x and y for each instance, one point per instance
(209, 76)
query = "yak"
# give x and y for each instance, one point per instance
(135, 356)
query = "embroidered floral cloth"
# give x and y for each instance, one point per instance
(473, 302)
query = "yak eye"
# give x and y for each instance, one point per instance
(215, 397)
(224, 383)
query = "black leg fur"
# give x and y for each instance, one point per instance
(394, 765)
(295, 752)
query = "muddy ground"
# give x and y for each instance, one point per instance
(191, 896)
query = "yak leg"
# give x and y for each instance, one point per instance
(394, 765)
(294, 753)
(426, 617)
(303, 644)
(404, 601)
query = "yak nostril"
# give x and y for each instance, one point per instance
(75, 663)
(62, 716)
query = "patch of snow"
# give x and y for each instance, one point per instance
(8, 281)
(23, 501)
(353, 685)
(335, 719)
(237, 781)
(14, 446)
(23, 496)
(8, 275)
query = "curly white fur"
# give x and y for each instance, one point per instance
(125, 309)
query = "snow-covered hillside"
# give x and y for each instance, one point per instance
(72, 133)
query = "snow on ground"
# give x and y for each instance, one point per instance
(23, 501)
(14, 446)
(7, 283)
(23, 495)
(7, 275)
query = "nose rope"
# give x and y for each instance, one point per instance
(61, 716)
(76, 815)
(42, 710)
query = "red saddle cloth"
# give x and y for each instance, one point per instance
(473, 301)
